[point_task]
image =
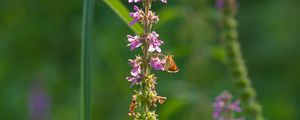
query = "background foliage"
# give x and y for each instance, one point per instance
(40, 44)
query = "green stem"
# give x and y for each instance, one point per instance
(145, 66)
(86, 49)
(237, 65)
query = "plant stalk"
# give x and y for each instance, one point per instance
(86, 54)
(146, 55)
(237, 66)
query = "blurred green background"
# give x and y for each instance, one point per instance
(40, 59)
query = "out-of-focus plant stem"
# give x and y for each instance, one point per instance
(86, 54)
(236, 63)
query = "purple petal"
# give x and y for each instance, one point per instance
(133, 21)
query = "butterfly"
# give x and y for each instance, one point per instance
(170, 65)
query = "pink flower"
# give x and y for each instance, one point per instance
(157, 64)
(152, 17)
(134, 42)
(137, 15)
(235, 106)
(135, 71)
(131, 1)
(223, 105)
(136, 1)
(164, 1)
(136, 66)
(154, 42)
(134, 80)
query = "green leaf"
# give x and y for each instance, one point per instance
(123, 13)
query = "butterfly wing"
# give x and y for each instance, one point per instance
(170, 65)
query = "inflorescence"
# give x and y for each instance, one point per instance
(224, 108)
(145, 98)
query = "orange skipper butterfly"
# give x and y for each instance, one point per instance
(170, 65)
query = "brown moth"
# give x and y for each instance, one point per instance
(170, 65)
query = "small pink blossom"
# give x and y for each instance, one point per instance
(157, 64)
(134, 80)
(235, 106)
(224, 105)
(136, 1)
(131, 1)
(164, 1)
(134, 42)
(137, 15)
(136, 66)
(135, 70)
(152, 17)
(155, 42)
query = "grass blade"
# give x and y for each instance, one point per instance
(86, 54)
(123, 13)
